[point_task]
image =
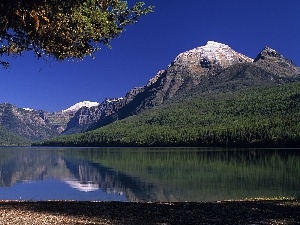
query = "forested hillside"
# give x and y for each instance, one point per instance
(264, 116)
(9, 139)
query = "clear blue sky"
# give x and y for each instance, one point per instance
(149, 46)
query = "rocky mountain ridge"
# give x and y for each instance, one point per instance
(214, 66)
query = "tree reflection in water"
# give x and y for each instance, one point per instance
(138, 174)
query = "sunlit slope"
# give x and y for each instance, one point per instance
(265, 116)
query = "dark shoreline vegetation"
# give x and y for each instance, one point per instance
(225, 212)
(258, 117)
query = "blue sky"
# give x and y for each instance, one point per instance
(149, 46)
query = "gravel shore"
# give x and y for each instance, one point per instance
(69, 212)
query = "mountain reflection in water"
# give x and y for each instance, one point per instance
(142, 174)
(82, 187)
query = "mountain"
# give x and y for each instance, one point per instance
(187, 71)
(276, 63)
(209, 95)
(183, 74)
(25, 123)
(87, 117)
(213, 67)
(89, 114)
(19, 126)
(207, 70)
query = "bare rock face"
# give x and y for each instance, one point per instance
(155, 78)
(130, 95)
(57, 120)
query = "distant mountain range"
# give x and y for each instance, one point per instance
(212, 68)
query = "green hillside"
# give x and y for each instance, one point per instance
(9, 139)
(265, 116)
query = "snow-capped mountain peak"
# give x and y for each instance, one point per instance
(79, 105)
(210, 54)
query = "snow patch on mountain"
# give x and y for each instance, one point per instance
(109, 100)
(28, 109)
(79, 105)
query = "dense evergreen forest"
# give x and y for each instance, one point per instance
(264, 116)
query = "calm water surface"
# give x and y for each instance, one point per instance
(145, 174)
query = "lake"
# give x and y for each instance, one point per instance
(147, 174)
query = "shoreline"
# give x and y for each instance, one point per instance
(85, 212)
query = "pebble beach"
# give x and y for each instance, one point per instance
(225, 212)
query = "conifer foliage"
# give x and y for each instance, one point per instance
(63, 28)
